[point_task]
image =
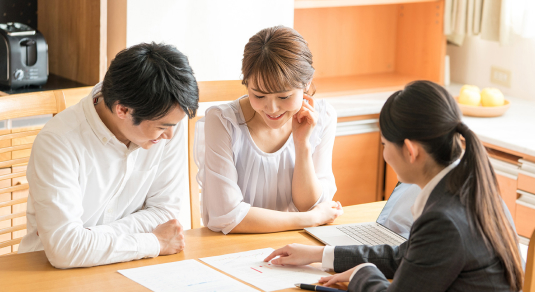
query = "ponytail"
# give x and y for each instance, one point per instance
(475, 182)
(425, 112)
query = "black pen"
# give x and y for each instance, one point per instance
(317, 288)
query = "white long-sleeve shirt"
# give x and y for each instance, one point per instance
(94, 201)
(235, 174)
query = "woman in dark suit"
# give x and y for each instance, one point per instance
(460, 239)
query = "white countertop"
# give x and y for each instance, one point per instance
(515, 130)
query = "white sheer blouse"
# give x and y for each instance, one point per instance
(235, 174)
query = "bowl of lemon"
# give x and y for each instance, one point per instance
(488, 102)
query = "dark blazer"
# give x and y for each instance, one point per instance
(443, 253)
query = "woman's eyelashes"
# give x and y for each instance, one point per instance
(285, 97)
(281, 97)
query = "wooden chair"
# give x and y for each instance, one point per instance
(209, 91)
(529, 277)
(15, 148)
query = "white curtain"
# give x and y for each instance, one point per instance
(523, 17)
(494, 20)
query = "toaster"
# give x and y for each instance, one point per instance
(23, 56)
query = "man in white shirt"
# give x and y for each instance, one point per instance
(105, 174)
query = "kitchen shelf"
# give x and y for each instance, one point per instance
(373, 48)
(54, 82)
(304, 4)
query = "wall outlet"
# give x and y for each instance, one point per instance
(500, 76)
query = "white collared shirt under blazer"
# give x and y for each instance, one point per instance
(235, 174)
(93, 200)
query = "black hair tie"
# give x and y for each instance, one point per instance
(462, 128)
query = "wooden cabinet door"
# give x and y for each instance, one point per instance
(525, 212)
(507, 186)
(356, 165)
(391, 180)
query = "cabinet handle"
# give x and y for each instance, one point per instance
(526, 199)
(357, 127)
(505, 169)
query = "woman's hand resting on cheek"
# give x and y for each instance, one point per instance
(303, 122)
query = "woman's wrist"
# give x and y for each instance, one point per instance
(303, 148)
(308, 219)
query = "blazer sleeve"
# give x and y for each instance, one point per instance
(433, 260)
(387, 258)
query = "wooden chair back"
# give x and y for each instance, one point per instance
(209, 91)
(529, 276)
(15, 148)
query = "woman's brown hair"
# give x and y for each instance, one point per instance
(425, 112)
(277, 59)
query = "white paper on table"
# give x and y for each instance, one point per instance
(250, 267)
(187, 275)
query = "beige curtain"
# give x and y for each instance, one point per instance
(473, 17)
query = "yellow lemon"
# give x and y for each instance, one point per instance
(492, 97)
(472, 87)
(470, 96)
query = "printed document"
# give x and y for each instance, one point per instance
(250, 267)
(187, 275)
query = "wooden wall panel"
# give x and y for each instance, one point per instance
(421, 43)
(116, 35)
(350, 40)
(76, 37)
(356, 167)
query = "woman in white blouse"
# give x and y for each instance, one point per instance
(265, 159)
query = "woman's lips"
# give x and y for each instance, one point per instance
(155, 141)
(275, 117)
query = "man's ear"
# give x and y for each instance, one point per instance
(121, 111)
(412, 150)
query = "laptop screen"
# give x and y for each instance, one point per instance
(397, 215)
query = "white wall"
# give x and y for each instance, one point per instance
(471, 64)
(212, 33)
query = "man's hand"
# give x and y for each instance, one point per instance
(170, 237)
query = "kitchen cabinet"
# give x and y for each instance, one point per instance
(362, 46)
(391, 180)
(372, 46)
(525, 204)
(525, 212)
(357, 161)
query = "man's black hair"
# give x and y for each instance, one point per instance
(151, 79)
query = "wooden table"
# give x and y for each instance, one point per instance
(33, 272)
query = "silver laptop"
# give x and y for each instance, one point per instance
(392, 226)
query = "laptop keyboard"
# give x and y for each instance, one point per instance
(369, 234)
